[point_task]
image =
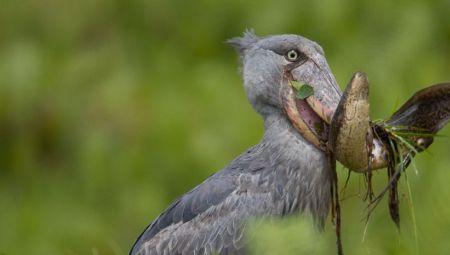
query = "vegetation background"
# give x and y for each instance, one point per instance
(109, 110)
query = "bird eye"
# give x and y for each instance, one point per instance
(292, 55)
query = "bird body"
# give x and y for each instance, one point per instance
(281, 175)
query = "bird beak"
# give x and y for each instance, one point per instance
(312, 116)
(317, 74)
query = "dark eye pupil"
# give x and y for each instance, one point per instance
(292, 55)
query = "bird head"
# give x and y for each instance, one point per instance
(272, 64)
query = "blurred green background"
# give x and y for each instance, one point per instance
(109, 110)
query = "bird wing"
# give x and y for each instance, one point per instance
(206, 195)
(209, 218)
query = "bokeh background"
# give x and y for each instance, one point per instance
(109, 110)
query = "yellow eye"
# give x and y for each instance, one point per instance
(292, 55)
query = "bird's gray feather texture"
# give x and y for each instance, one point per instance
(283, 174)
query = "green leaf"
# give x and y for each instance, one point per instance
(305, 91)
(297, 85)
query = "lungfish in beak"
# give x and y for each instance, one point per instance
(358, 143)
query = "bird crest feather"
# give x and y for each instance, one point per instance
(241, 44)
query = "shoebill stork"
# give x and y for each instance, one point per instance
(289, 170)
(285, 173)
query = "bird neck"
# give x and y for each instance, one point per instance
(298, 168)
(279, 132)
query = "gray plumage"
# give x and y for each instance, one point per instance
(283, 174)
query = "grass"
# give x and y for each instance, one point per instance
(402, 147)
